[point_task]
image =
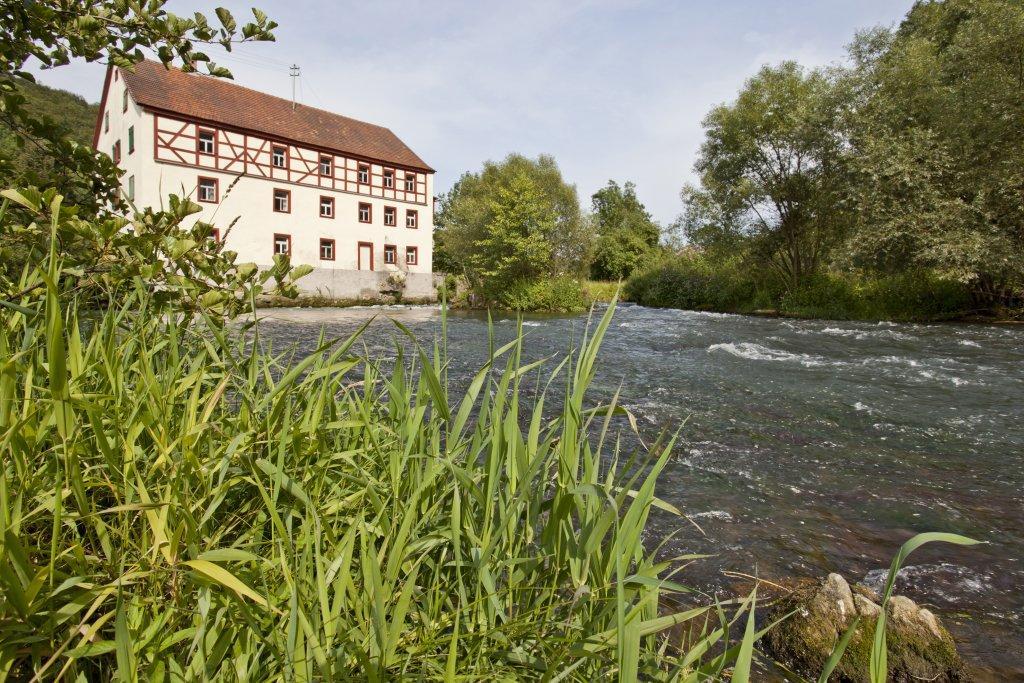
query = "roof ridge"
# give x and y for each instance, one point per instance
(233, 82)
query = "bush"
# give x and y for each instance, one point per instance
(690, 281)
(555, 295)
(914, 295)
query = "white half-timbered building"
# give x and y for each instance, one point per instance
(344, 196)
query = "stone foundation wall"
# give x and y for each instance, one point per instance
(368, 285)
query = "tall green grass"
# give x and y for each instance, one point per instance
(177, 503)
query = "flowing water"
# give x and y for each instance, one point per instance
(808, 446)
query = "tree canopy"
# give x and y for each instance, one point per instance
(118, 32)
(909, 158)
(771, 169)
(514, 218)
(69, 224)
(938, 144)
(626, 234)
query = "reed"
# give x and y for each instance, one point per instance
(179, 503)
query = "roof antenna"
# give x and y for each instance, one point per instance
(294, 72)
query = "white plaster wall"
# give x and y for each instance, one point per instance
(139, 162)
(247, 209)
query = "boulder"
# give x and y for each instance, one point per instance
(919, 647)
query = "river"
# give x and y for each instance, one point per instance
(808, 446)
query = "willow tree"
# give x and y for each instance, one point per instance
(771, 166)
(938, 141)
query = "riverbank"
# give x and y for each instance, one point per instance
(692, 282)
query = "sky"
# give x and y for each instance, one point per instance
(613, 89)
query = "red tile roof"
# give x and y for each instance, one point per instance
(216, 100)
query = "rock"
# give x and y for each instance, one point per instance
(865, 607)
(918, 645)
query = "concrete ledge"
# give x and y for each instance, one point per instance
(359, 286)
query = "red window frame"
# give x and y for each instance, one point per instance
(215, 234)
(363, 174)
(330, 200)
(330, 166)
(106, 122)
(390, 250)
(369, 212)
(392, 212)
(410, 182)
(287, 238)
(415, 215)
(415, 253)
(334, 249)
(199, 141)
(124, 101)
(216, 190)
(288, 200)
(117, 152)
(388, 174)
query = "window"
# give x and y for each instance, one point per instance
(131, 188)
(124, 100)
(390, 254)
(410, 182)
(115, 75)
(327, 207)
(411, 256)
(207, 190)
(131, 139)
(282, 244)
(326, 166)
(326, 249)
(207, 142)
(412, 219)
(390, 215)
(365, 213)
(279, 156)
(363, 174)
(117, 152)
(282, 201)
(106, 122)
(389, 178)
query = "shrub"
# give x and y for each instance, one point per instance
(554, 295)
(913, 295)
(690, 281)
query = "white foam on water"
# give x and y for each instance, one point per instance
(712, 514)
(752, 351)
(862, 408)
(968, 342)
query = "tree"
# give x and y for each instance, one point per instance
(515, 247)
(23, 163)
(94, 253)
(772, 163)
(625, 232)
(938, 140)
(115, 31)
(479, 204)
